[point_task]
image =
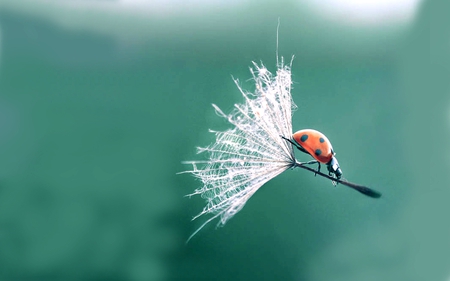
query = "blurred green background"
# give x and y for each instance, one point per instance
(100, 101)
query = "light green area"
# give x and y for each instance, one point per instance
(95, 121)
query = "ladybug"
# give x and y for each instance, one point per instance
(319, 147)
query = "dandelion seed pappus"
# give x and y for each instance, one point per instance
(259, 146)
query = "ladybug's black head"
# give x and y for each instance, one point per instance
(333, 168)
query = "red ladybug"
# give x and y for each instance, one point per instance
(319, 147)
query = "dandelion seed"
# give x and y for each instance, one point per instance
(252, 152)
(255, 149)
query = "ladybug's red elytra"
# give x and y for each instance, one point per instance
(319, 147)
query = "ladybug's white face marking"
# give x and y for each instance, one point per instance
(333, 168)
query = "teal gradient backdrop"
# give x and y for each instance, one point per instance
(98, 110)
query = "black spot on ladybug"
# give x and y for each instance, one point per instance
(304, 138)
(318, 152)
(321, 140)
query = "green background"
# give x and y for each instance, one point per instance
(98, 110)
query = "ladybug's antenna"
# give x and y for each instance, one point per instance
(360, 188)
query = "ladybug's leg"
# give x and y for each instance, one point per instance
(314, 162)
(286, 139)
(318, 168)
(296, 145)
(334, 176)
